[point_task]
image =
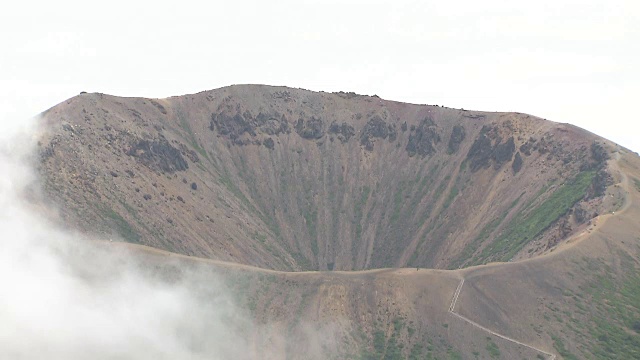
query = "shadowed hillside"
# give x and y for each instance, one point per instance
(291, 179)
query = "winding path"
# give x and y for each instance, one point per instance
(624, 183)
(452, 312)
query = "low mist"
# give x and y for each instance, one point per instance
(69, 296)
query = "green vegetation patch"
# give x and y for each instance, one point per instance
(225, 180)
(379, 341)
(417, 352)
(489, 228)
(311, 219)
(122, 226)
(452, 195)
(558, 344)
(398, 202)
(601, 320)
(441, 188)
(527, 226)
(359, 209)
(184, 123)
(637, 183)
(492, 349)
(615, 325)
(391, 348)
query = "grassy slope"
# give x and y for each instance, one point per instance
(582, 302)
(532, 222)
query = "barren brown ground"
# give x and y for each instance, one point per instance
(500, 300)
(513, 310)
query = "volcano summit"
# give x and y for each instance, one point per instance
(309, 190)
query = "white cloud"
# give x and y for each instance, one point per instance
(520, 54)
(64, 297)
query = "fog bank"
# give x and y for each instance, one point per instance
(63, 297)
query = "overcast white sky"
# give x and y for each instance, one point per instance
(570, 61)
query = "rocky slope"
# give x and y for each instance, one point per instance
(291, 179)
(579, 301)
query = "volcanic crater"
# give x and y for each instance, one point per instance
(295, 180)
